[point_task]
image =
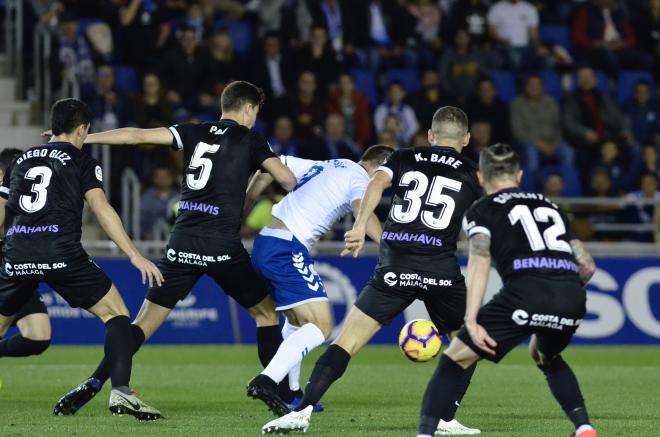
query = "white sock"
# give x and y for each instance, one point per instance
(583, 428)
(294, 373)
(292, 350)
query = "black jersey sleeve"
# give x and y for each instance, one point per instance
(476, 221)
(259, 149)
(183, 134)
(4, 188)
(392, 165)
(91, 175)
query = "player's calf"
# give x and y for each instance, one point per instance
(20, 346)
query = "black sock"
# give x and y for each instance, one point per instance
(440, 394)
(269, 339)
(19, 346)
(329, 368)
(102, 372)
(566, 390)
(118, 350)
(466, 377)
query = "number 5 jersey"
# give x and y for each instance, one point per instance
(45, 189)
(432, 189)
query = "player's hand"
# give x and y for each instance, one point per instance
(480, 338)
(354, 240)
(148, 270)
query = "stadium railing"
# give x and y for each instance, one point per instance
(14, 42)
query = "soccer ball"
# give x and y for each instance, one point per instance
(419, 340)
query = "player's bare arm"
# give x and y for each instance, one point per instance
(3, 202)
(584, 259)
(478, 272)
(280, 173)
(161, 136)
(111, 224)
(354, 238)
(374, 228)
(259, 182)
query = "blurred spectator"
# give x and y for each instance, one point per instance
(643, 115)
(150, 107)
(487, 107)
(282, 141)
(304, 108)
(394, 106)
(480, 138)
(272, 69)
(388, 137)
(601, 184)
(156, 201)
(648, 32)
(591, 117)
(318, 57)
(514, 24)
(610, 161)
(642, 213)
(604, 38)
(536, 127)
(334, 144)
(142, 31)
(183, 68)
(261, 214)
(107, 107)
(426, 29)
(195, 19)
(650, 161)
(74, 55)
(471, 16)
(427, 100)
(333, 15)
(553, 185)
(354, 107)
(225, 66)
(461, 66)
(420, 139)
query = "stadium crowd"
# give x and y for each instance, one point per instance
(571, 84)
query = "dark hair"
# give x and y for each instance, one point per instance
(395, 82)
(7, 156)
(648, 174)
(240, 93)
(554, 173)
(499, 161)
(377, 154)
(639, 82)
(66, 115)
(449, 122)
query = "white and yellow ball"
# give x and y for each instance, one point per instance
(420, 340)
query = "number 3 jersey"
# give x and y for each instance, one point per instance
(45, 189)
(219, 158)
(433, 187)
(529, 233)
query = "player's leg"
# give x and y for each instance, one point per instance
(15, 294)
(34, 326)
(294, 373)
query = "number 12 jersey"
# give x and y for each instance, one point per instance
(432, 189)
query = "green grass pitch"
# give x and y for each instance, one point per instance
(201, 391)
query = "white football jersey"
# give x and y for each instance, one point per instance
(325, 192)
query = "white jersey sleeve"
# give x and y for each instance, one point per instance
(298, 166)
(358, 186)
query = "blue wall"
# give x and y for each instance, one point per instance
(623, 305)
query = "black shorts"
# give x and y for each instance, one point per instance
(33, 306)
(551, 308)
(188, 258)
(391, 290)
(79, 281)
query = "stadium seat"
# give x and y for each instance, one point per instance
(365, 82)
(528, 182)
(408, 77)
(126, 79)
(556, 35)
(626, 84)
(241, 34)
(505, 83)
(572, 185)
(552, 84)
(602, 83)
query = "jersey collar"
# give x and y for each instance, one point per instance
(445, 148)
(507, 190)
(62, 143)
(229, 121)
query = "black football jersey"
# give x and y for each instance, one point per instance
(45, 190)
(529, 233)
(432, 189)
(219, 158)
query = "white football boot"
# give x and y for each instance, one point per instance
(453, 427)
(121, 403)
(294, 421)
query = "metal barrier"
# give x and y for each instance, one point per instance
(130, 200)
(14, 42)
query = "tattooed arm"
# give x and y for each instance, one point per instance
(587, 266)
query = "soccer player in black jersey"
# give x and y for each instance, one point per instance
(544, 269)
(32, 319)
(433, 187)
(219, 159)
(42, 198)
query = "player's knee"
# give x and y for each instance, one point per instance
(39, 346)
(461, 354)
(326, 328)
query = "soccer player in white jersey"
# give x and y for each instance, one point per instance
(326, 191)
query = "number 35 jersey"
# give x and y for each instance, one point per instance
(433, 187)
(529, 233)
(219, 158)
(45, 189)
